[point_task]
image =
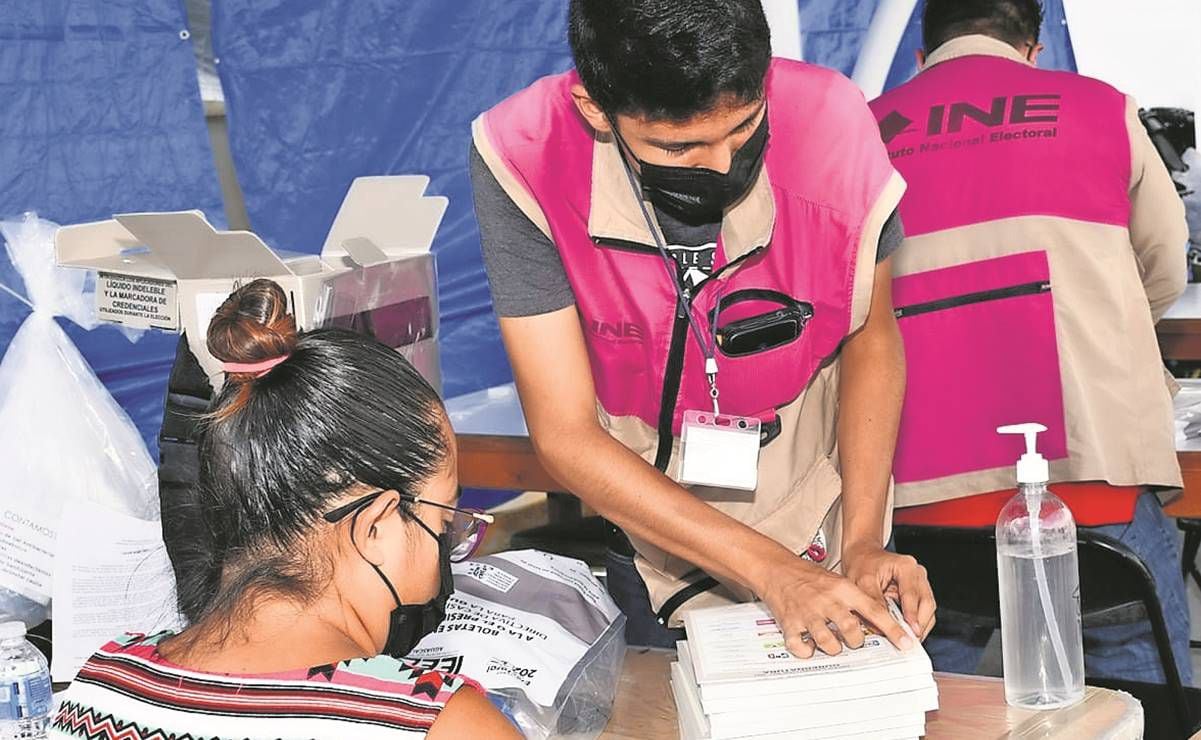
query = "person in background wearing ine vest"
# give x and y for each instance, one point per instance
(1044, 239)
(683, 222)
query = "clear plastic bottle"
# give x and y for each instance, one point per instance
(25, 695)
(1041, 639)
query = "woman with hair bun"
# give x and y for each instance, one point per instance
(328, 493)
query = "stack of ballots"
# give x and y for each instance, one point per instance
(735, 679)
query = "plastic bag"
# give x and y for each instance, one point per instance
(541, 634)
(62, 436)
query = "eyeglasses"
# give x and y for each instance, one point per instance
(465, 529)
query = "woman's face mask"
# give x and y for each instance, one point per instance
(409, 623)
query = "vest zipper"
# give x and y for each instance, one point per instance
(629, 246)
(673, 375)
(968, 299)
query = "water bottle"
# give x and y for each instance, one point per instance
(1041, 640)
(25, 696)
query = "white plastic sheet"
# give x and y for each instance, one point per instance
(62, 436)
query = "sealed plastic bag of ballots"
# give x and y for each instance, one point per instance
(62, 436)
(540, 633)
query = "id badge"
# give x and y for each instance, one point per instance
(720, 451)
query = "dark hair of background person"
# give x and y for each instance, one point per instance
(669, 59)
(1015, 22)
(278, 451)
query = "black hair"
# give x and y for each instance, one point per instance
(1016, 22)
(669, 59)
(342, 412)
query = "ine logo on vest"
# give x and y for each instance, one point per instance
(1016, 118)
(616, 331)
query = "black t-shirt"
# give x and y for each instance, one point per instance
(692, 247)
(526, 272)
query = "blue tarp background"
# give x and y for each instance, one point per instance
(102, 115)
(321, 91)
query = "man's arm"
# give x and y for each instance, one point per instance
(1158, 229)
(554, 379)
(871, 389)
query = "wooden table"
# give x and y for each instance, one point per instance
(506, 460)
(489, 461)
(970, 707)
(1180, 329)
(494, 447)
(1188, 452)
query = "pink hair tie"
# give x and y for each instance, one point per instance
(258, 369)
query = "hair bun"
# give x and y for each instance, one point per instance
(253, 324)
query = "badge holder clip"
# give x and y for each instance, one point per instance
(719, 450)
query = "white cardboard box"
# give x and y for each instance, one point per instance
(375, 272)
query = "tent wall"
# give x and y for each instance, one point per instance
(102, 115)
(321, 91)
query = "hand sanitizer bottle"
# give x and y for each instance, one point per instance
(1041, 642)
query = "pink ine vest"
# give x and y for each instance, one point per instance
(826, 170)
(980, 139)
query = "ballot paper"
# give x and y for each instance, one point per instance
(735, 678)
(740, 649)
(111, 576)
(694, 725)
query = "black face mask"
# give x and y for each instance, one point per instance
(697, 195)
(409, 623)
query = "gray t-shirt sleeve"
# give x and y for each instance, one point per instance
(891, 237)
(524, 269)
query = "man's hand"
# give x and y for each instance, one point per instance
(879, 572)
(815, 607)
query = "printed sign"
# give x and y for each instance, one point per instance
(137, 301)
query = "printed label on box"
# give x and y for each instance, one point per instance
(137, 301)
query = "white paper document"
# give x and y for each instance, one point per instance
(111, 576)
(741, 644)
(26, 550)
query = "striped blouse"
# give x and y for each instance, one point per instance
(127, 691)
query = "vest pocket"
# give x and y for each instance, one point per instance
(981, 351)
(763, 355)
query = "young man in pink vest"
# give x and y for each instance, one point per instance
(1044, 239)
(682, 223)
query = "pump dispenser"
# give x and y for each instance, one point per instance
(1039, 579)
(1032, 467)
